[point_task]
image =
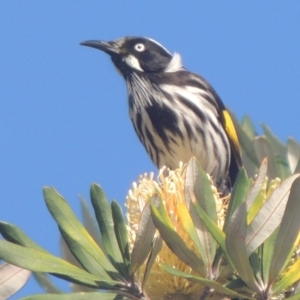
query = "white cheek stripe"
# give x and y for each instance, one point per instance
(132, 62)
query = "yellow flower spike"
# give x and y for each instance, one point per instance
(170, 189)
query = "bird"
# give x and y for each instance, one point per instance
(176, 114)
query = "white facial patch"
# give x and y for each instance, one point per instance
(132, 62)
(175, 64)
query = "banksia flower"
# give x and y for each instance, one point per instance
(170, 189)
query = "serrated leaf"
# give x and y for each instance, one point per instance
(38, 261)
(206, 282)
(236, 247)
(106, 225)
(12, 279)
(84, 248)
(288, 232)
(173, 240)
(269, 216)
(143, 240)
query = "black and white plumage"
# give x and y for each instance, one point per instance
(176, 114)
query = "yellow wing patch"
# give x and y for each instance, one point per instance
(230, 130)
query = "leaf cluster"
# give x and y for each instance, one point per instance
(251, 255)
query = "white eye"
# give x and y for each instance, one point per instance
(139, 47)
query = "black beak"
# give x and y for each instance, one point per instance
(107, 47)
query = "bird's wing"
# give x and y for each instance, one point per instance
(236, 158)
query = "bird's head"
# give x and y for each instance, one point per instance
(138, 54)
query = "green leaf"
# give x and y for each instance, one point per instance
(278, 164)
(198, 182)
(248, 127)
(258, 184)
(269, 216)
(288, 232)
(90, 223)
(267, 250)
(121, 233)
(206, 282)
(81, 244)
(67, 255)
(264, 150)
(196, 232)
(198, 190)
(249, 165)
(282, 168)
(255, 262)
(246, 142)
(288, 278)
(215, 231)
(104, 218)
(38, 261)
(86, 260)
(238, 195)
(293, 154)
(143, 240)
(73, 296)
(253, 199)
(155, 249)
(173, 240)
(277, 145)
(235, 244)
(17, 236)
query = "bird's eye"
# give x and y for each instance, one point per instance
(139, 47)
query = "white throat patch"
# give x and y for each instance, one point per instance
(132, 62)
(175, 64)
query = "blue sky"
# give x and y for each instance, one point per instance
(63, 107)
